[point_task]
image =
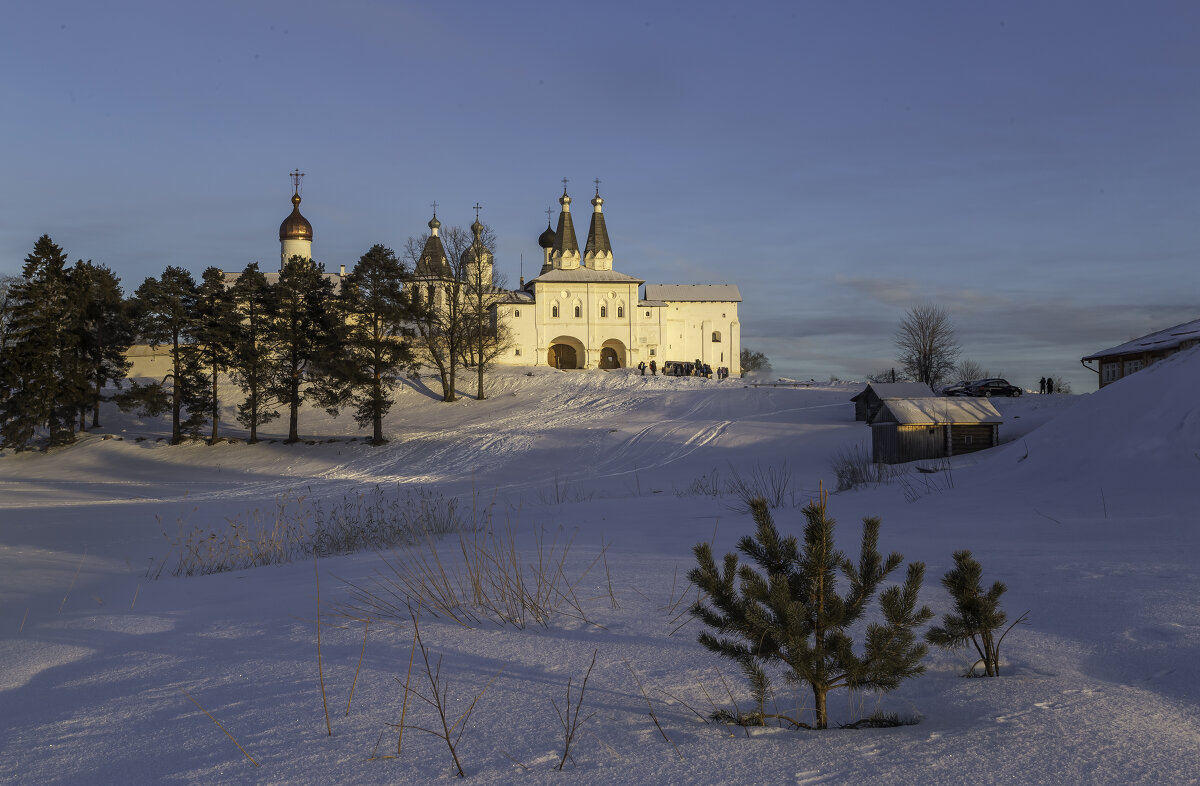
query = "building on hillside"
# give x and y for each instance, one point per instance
(1133, 356)
(910, 429)
(868, 402)
(579, 312)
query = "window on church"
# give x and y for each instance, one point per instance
(604, 312)
(554, 311)
(516, 313)
(578, 312)
(517, 352)
(647, 313)
(653, 352)
(620, 312)
(716, 337)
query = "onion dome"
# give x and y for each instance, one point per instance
(434, 224)
(295, 226)
(546, 239)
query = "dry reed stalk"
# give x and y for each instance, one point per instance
(404, 707)
(320, 668)
(570, 722)
(222, 728)
(135, 596)
(653, 716)
(78, 567)
(608, 575)
(366, 628)
(20, 629)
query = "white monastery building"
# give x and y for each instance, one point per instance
(581, 313)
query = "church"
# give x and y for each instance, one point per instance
(580, 312)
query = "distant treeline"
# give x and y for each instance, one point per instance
(284, 338)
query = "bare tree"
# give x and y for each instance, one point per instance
(967, 370)
(486, 334)
(753, 362)
(438, 303)
(925, 339)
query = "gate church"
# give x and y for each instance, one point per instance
(581, 313)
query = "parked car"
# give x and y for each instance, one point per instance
(958, 388)
(987, 388)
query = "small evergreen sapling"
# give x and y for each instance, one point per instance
(978, 616)
(788, 613)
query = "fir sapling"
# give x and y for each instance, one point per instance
(787, 613)
(977, 617)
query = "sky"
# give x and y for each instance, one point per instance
(1030, 167)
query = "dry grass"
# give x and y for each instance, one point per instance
(299, 528)
(484, 576)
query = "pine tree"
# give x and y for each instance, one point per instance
(215, 336)
(254, 308)
(978, 616)
(302, 335)
(42, 376)
(106, 332)
(167, 315)
(373, 310)
(788, 613)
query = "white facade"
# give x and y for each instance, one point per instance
(581, 313)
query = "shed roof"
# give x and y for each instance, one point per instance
(707, 293)
(936, 411)
(886, 390)
(1164, 339)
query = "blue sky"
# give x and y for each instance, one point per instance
(1033, 167)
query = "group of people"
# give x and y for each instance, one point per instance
(1046, 385)
(676, 369)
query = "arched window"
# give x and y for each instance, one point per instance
(578, 312)
(620, 312)
(516, 312)
(603, 312)
(554, 311)
(716, 337)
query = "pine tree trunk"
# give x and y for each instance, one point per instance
(822, 719)
(479, 365)
(215, 411)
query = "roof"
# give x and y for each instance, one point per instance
(653, 303)
(433, 262)
(582, 275)
(597, 242)
(933, 411)
(517, 296)
(295, 226)
(711, 293)
(564, 238)
(1170, 338)
(886, 390)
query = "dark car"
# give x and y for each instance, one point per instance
(993, 387)
(958, 388)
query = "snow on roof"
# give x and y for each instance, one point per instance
(887, 390)
(709, 293)
(583, 274)
(937, 410)
(1164, 339)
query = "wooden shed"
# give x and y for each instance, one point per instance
(867, 403)
(930, 427)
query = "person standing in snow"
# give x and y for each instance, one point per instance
(642, 368)
(653, 369)
(1049, 384)
(1042, 385)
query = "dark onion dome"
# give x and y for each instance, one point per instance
(295, 226)
(546, 239)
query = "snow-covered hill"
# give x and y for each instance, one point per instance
(1086, 511)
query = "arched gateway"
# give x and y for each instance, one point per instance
(565, 352)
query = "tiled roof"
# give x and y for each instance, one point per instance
(582, 275)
